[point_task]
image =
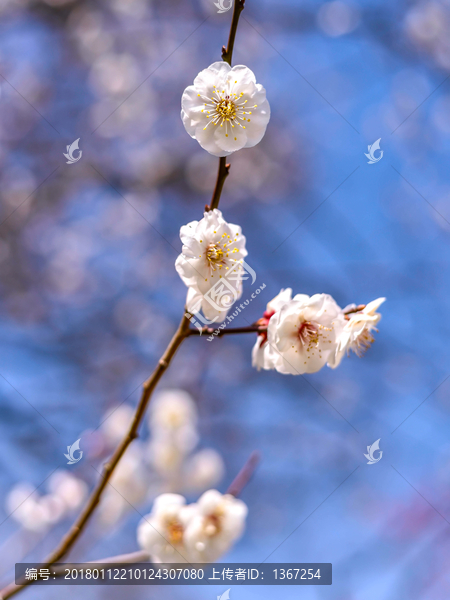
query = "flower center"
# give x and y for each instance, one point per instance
(212, 525)
(214, 254)
(309, 334)
(226, 108)
(175, 532)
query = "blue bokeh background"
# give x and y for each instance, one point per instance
(90, 296)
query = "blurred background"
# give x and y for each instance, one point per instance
(90, 296)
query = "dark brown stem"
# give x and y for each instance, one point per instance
(227, 53)
(181, 334)
(210, 330)
(358, 308)
(244, 475)
(222, 174)
(108, 469)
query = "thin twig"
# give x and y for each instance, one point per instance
(244, 475)
(220, 332)
(108, 469)
(222, 174)
(181, 334)
(235, 489)
(356, 309)
(227, 55)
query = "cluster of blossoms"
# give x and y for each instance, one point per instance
(200, 532)
(304, 333)
(167, 461)
(37, 513)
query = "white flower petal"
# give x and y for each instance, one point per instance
(225, 110)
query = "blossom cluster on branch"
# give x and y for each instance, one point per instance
(225, 110)
(200, 532)
(304, 333)
(167, 461)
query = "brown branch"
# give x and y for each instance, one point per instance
(244, 475)
(108, 469)
(222, 174)
(227, 55)
(181, 334)
(358, 308)
(210, 330)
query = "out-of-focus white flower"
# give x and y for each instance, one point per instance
(54, 508)
(303, 333)
(218, 522)
(165, 456)
(37, 513)
(161, 533)
(22, 503)
(356, 334)
(225, 110)
(203, 470)
(116, 423)
(71, 490)
(262, 352)
(172, 410)
(129, 477)
(129, 485)
(212, 249)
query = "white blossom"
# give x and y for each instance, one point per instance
(128, 486)
(24, 505)
(70, 489)
(217, 523)
(203, 470)
(116, 424)
(161, 533)
(225, 110)
(356, 334)
(303, 333)
(263, 354)
(212, 249)
(172, 410)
